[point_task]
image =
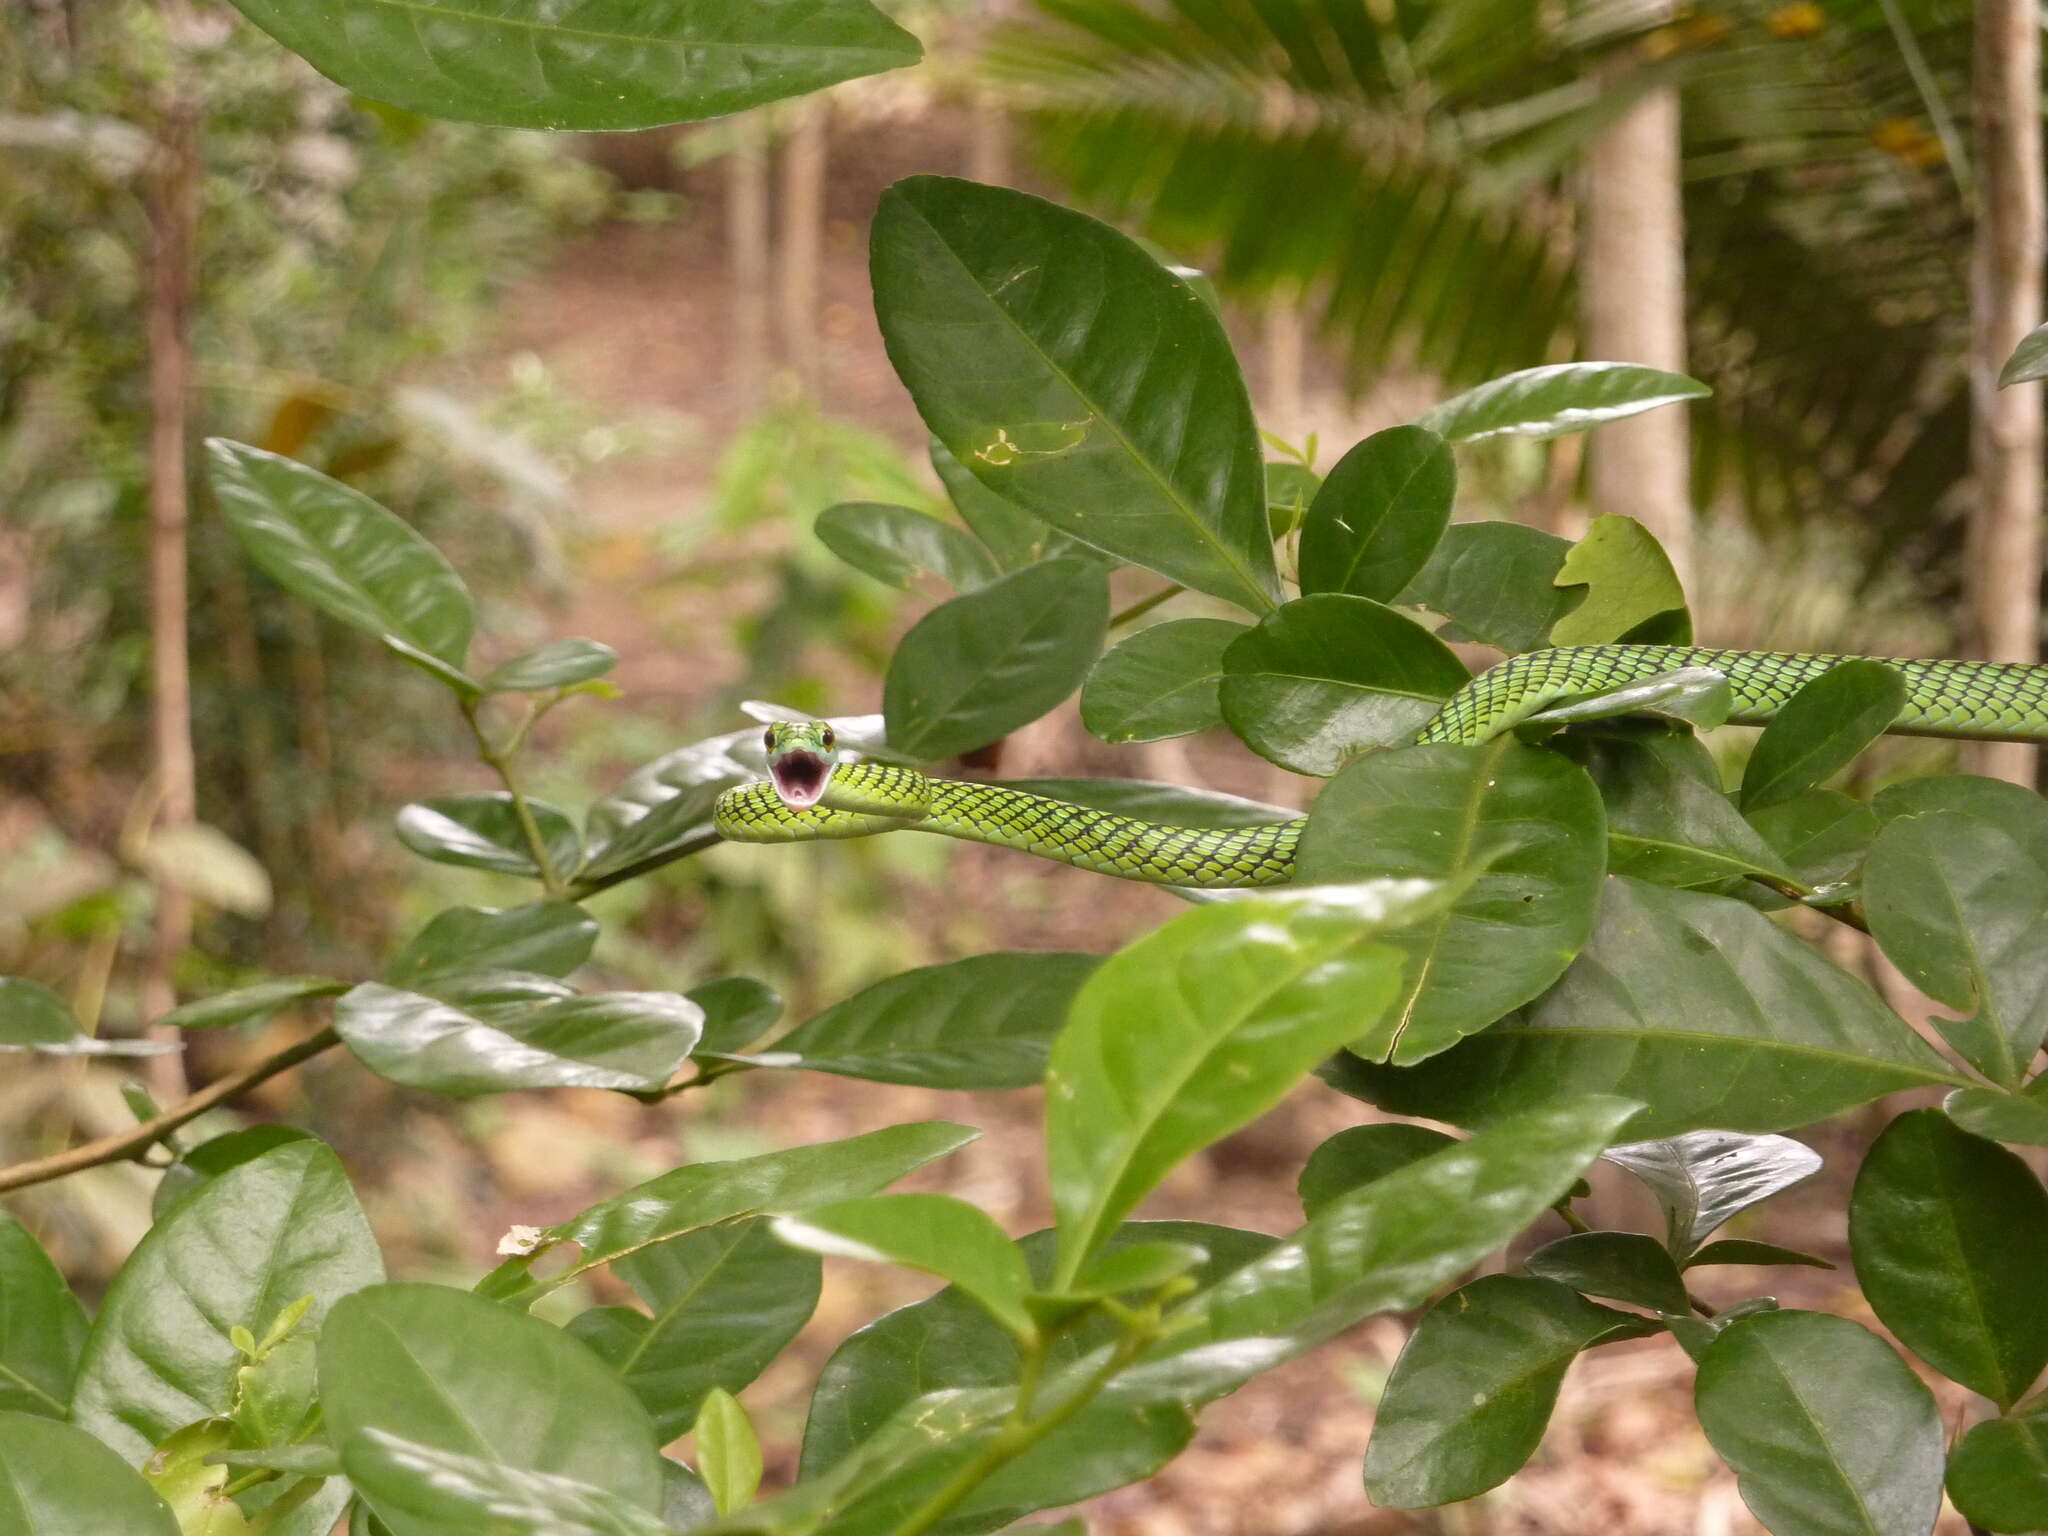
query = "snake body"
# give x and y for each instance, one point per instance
(1980, 700)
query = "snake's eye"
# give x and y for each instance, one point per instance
(829, 738)
(768, 738)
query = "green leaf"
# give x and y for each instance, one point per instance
(894, 544)
(984, 1022)
(1199, 1028)
(976, 668)
(1557, 399)
(1629, 582)
(632, 1041)
(728, 1454)
(452, 1372)
(1472, 1392)
(1013, 535)
(2014, 810)
(1529, 821)
(1771, 1035)
(247, 1004)
(215, 1156)
(1624, 1266)
(333, 546)
(1999, 1116)
(1962, 910)
(1352, 1159)
(1290, 489)
(558, 664)
(701, 1195)
(2029, 361)
(738, 1010)
(1379, 515)
(1828, 1432)
(1740, 1250)
(1822, 729)
(1950, 1234)
(159, 1355)
(42, 1328)
(422, 1488)
(1823, 835)
(1998, 1473)
(1120, 420)
(1667, 820)
(33, 1018)
(1161, 682)
(1175, 804)
(1705, 1179)
(1139, 1267)
(1496, 583)
(1699, 696)
(482, 831)
(1328, 677)
(60, 1481)
(722, 1302)
(552, 938)
(938, 1234)
(686, 1502)
(608, 64)
(180, 1474)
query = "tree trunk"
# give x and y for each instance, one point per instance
(988, 140)
(1286, 366)
(1632, 287)
(803, 241)
(2004, 568)
(746, 214)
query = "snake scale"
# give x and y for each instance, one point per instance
(810, 795)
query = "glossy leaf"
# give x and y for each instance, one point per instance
(1290, 488)
(552, 938)
(159, 1355)
(1526, 820)
(938, 1234)
(59, 1481)
(1700, 696)
(1557, 399)
(1013, 535)
(738, 1010)
(1950, 1234)
(984, 1022)
(1700, 1006)
(213, 1157)
(558, 664)
(1998, 1473)
(1352, 1159)
(1471, 1394)
(247, 1005)
(1820, 730)
(1667, 820)
(895, 544)
(1496, 583)
(1828, 1432)
(1329, 677)
(728, 1454)
(722, 1302)
(632, 1041)
(2013, 809)
(1823, 835)
(978, 667)
(1740, 1250)
(452, 1372)
(1629, 584)
(1073, 375)
(1379, 514)
(2021, 1118)
(1197, 1029)
(333, 546)
(2029, 361)
(1175, 804)
(33, 1018)
(482, 831)
(180, 1474)
(608, 64)
(1623, 1266)
(424, 1488)
(1705, 1179)
(42, 1328)
(1162, 682)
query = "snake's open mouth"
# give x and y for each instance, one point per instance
(800, 778)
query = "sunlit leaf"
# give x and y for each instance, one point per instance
(1557, 399)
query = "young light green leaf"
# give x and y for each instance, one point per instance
(1705, 1179)
(1353, 1159)
(42, 1327)
(246, 1005)
(938, 1234)
(59, 1481)
(893, 544)
(558, 664)
(1162, 682)
(1496, 583)
(1629, 584)
(1557, 399)
(1125, 424)
(483, 831)
(423, 1488)
(1623, 1266)
(1379, 514)
(183, 1478)
(1994, 1473)
(552, 938)
(1290, 489)
(728, 1453)
(1820, 730)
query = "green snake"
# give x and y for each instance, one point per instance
(810, 794)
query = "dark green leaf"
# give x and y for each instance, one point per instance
(1328, 677)
(1558, 398)
(42, 1328)
(483, 832)
(1699, 696)
(331, 545)
(1705, 1179)
(1497, 584)
(974, 669)
(1378, 516)
(984, 1022)
(738, 1010)
(1161, 682)
(1740, 1250)
(1998, 1473)
(454, 1373)
(159, 1355)
(1013, 535)
(248, 1004)
(2029, 361)
(59, 1481)
(2014, 810)
(1827, 1430)
(1823, 835)
(608, 64)
(1472, 1392)
(215, 1156)
(1138, 1267)
(1703, 1007)
(439, 1490)
(1694, 1334)
(728, 1452)
(1667, 820)
(1352, 1159)
(626, 1040)
(558, 664)
(1950, 1234)
(1624, 1266)
(1072, 374)
(938, 1234)
(1629, 582)
(894, 544)
(1527, 819)
(1822, 729)
(686, 1503)
(552, 938)
(722, 1302)
(1998, 1116)
(1175, 804)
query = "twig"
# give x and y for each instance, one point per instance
(1145, 605)
(499, 758)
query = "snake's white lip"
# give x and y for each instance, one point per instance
(800, 778)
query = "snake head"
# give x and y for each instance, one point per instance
(801, 757)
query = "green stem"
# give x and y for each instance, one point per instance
(1145, 605)
(499, 759)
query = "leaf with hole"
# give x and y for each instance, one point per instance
(1632, 592)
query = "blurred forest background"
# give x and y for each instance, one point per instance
(616, 377)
